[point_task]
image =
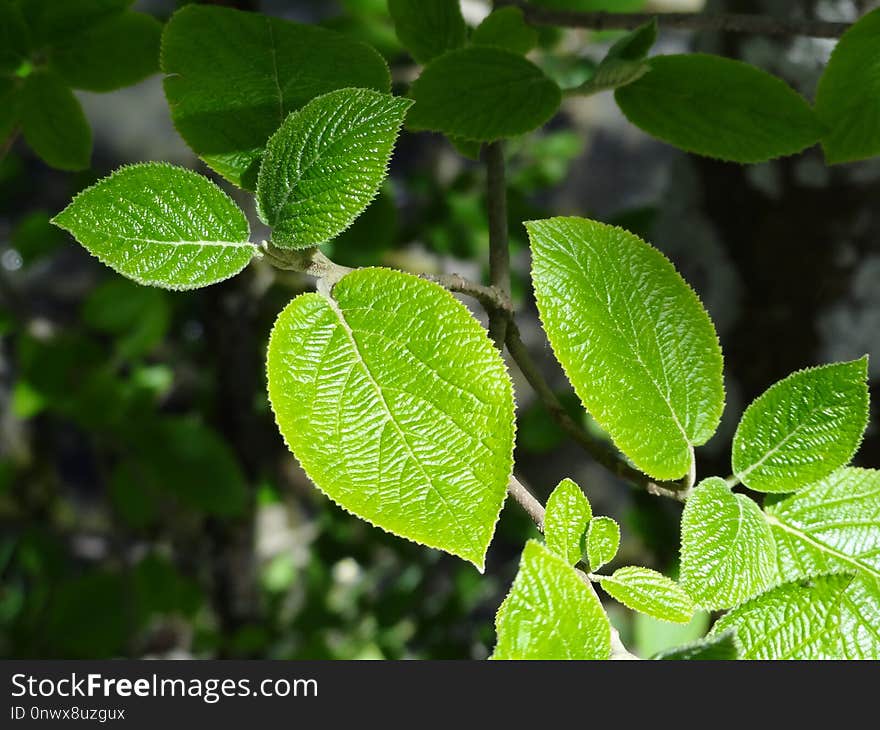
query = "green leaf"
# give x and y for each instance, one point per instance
(117, 52)
(428, 28)
(506, 28)
(397, 406)
(482, 94)
(634, 46)
(649, 592)
(802, 428)
(567, 516)
(14, 37)
(325, 164)
(161, 226)
(633, 339)
(652, 636)
(233, 77)
(830, 526)
(821, 618)
(9, 107)
(719, 108)
(603, 540)
(53, 122)
(721, 647)
(51, 21)
(624, 62)
(848, 97)
(550, 613)
(727, 551)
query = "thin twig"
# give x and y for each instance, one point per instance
(597, 449)
(730, 22)
(535, 510)
(499, 250)
(491, 297)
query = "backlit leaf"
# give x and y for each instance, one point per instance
(650, 592)
(603, 539)
(568, 514)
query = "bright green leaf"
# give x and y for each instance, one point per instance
(117, 52)
(720, 108)
(506, 28)
(652, 636)
(53, 122)
(802, 428)
(848, 98)
(482, 94)
(325, 164)
(633, 339)
(162, 226)
(233, 77)
(727, 551)
(550, 612)
(650, 592)
(830, 526)
(603, 540)
(397, 406)
(428, 28)
(830, 617)
(721, 647)
(567, 516)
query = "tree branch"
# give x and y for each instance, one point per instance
(535, 510)
(730, 22)
(499, 250)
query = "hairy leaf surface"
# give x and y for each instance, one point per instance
(550, 612)
(802, 428)
(566, 520)
(325, 164)
(233, 77)
(650, 592)
(603, 540)
(632, 337)
(720, 108)
(161, 226)
(397, 406)
(727, 551)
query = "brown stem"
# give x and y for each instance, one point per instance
(730, 22)
(499, 250)
(527, 500)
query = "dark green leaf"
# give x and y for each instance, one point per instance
(506, 28)
(53, 122)
(428, 28)
(721, 647)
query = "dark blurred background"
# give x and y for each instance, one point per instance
(148, 506)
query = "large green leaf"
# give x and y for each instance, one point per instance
(802, 428)
(830, 526)
(649, 592)
(550, 612)
(233, 77)
(848, 98)
(567, 516)
(397, 406)
(118, 51)
(53, 122)
(829, 617)
(720, 108)
(428, 28)
(603, 540)
(727, 551)
(325, 164)
(633, 339)
(162, 226)
(54, 21)
(506, 28)
(482, 94)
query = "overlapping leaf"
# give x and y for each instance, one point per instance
(325, 164)
(53, 122)
(506, 28)
(649, 592)
(233, 77)
(802, 428)
(603, 540)
(397, 406)
(567, 517)
(632, 337)
(550, 613)
(428, 28)
(721, 647)
(727, 551)
(161, 225)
